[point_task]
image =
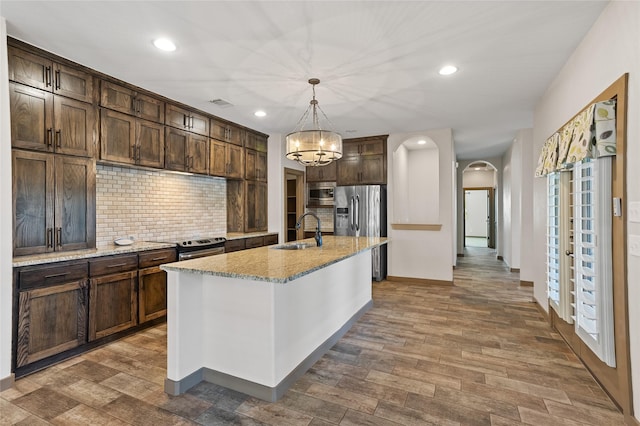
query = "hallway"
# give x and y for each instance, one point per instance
(475, 353)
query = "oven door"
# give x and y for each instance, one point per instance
(200, 253)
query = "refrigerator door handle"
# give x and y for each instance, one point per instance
(351, 210)
(357, 213)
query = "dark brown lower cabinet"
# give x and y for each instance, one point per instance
(51, 320)
(113, 304)
(152, 293)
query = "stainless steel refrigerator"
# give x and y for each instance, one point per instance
(361, 211)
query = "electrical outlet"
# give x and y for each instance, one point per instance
(634, 245)
(634, 211)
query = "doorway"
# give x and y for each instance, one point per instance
(293, 203)
(479, 217)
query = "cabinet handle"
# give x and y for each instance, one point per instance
(49, 237)
(58, 138)
(158, 258)
(47, 76)
(64, 274)
(184, 120)
(59, 237)
(191, 122)
(229, 134)
(57, 79)
(137, 153)
(132, 152)
(117, 265)
(49, 137)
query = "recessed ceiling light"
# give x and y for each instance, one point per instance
(164, 44)
(260, 113)
(448, 70)
(422, 142)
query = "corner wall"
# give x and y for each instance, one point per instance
(6, 217)
(610, 49)
(424, 254)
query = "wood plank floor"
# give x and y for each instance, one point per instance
(475, 353)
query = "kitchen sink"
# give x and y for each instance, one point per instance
(294, 246)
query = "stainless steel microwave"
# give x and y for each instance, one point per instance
(320, 193)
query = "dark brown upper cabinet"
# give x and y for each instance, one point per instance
(119, 98)
(225, 132)
(186, 152)
(255, 165)
(363, 162)
(185, 119)
(326, 173)
(44, 122)
(226, 160)
(43, 73)
(54, 202)
(256, 141)
(129, 140)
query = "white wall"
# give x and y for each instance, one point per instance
(6, 215)
(512, 197)
(610, 49)
(423, 179)
(276, 163)
(424, 254)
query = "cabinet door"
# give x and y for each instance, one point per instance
(76, 127)
(51, 320)
(226, 132)
(218, 158)
(75, 203)
(350, 149)
(31, 118)
(256, 141)
(235, 205)
(373, 169)
(113, 304)
(326, 173)
(198, 154)
(255, 206)
(373, 147)
(117, 138)
(152, 294)
(175, 155)
(30, 69)
(199, 124)
(149, 108)
(251, 161)
(33, 205)
(72, 83)
(235, 161)
(149, 144)
(186, 120)
(261, 166)
(348, 170)
(117, 98)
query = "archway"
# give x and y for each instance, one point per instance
(479, 224)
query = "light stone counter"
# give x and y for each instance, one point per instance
(38, 259)
(256, 320)
(244, 235)
(275, 265)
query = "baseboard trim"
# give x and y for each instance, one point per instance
(271, 394)
(7, 382)
(500, 257)
(526, 283)
(514, 270)
(635, 421)
(418, 280)
(544, 313)
(460, 254)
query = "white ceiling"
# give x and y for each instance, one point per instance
(377, 60)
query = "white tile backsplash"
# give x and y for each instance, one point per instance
(157, 205)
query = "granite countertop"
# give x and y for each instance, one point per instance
(38, 259)
(242, 235)
(273, 265)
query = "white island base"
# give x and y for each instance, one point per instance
(255, 336)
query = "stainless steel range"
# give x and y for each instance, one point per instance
(201, 247)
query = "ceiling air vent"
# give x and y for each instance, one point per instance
(221, 103)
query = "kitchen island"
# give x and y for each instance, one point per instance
(256, 320)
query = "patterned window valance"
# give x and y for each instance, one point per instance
(591, 134)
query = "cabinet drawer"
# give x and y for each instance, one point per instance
(254, 242)
(233, 245)
(55, 273)
(270, 240)
(113, 264)
(157, 257)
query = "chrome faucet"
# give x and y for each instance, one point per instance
(318, 236)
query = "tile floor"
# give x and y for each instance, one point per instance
(475, 353)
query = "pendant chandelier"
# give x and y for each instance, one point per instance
(314, 146)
